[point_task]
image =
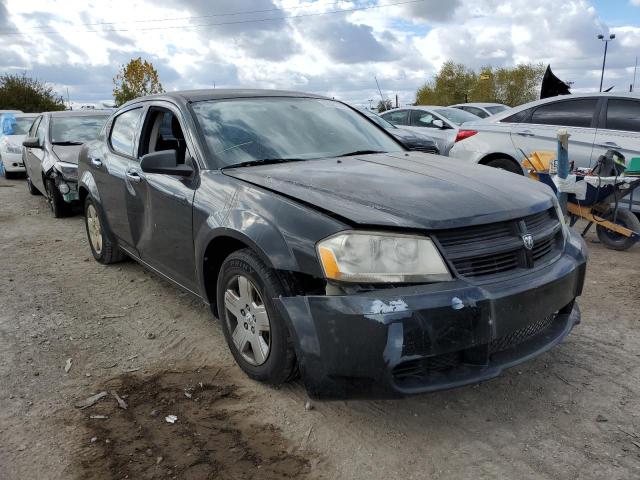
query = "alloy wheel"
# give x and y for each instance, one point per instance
(247, 320)
(94, 229)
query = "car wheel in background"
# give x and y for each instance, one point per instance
(256, 333)
(505, 164)
(614, 240)
(59, 207)
(103, 247)
(32, 190)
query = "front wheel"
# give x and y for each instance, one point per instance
(32, 189)
(103, 247)
(256, 333)
(505, 164)
(614, 240)
(59, 207)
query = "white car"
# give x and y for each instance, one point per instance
(14, 128)
(440, 123)
(482, 110)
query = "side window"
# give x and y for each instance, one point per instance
(397, 117)
(519, 117)
(571, 113)
(421, 118)
(123, 132)
(623, 115)
(162, 131)
(40, 130)
(34, 127)
(477, 111)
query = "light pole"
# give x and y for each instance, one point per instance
(604, 60)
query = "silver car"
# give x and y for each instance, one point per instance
(596, 122)
(482, 109)
(440, 123)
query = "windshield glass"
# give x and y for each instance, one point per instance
(456, 116)
(245, 130)
(22, 125)
(76, 129)
(496, 109)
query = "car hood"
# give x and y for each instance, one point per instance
(15, 139)
(405, 189)
(67, 153)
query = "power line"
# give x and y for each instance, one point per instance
(237, 22)
(176, 19)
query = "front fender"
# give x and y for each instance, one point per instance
(87, 181)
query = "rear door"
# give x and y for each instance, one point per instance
(159, 205)
(110, 172)
(539, 132)
(423, 121)
(397, 117)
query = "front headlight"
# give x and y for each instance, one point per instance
(369, 257)
(68, 170)
(9, 147)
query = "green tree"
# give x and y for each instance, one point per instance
(135, 79)
(19, 92)
(455, 83)
(384, 105)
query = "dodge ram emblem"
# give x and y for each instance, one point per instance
(528, 241)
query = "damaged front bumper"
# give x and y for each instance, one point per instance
(416, 339)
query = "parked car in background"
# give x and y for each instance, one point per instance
(324, 247)
(51, 152)
(440, 123)
(411, 140)
(14, 127)
(482, 110)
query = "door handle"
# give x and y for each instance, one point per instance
(610, 145)
(525, 133)
(96, 162)
(134, 176)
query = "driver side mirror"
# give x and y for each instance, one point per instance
(440, 124)
(32, 142)
(165, 162)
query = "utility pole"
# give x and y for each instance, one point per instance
(604, 59)
(635, 69)
(379, 91)
(69, 101)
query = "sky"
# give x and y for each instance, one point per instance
(323, 46)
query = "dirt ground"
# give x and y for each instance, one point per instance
(572, 413)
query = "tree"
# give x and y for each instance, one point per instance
(384, 105)
(135, 79)
(455, 83)
(19, 92)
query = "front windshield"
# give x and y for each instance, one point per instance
(455, 115)
(496, 109)
(76, 129)
(281, 128)
(22, 125)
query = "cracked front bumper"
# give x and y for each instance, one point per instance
(409, 340)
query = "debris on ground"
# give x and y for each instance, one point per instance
(121, 403)
(601, 418)
(112, 315)
(171, 419)
(151, 335)
(98, 417)
(308, 405)
(67, 366)
(87, 402)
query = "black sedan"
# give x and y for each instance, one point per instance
(50, 155)
(326, 248)
(411, 140)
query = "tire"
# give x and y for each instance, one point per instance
(105, 250)
(278, 364)
(7, 175)
(505, 164)
(614, 240)
(59, 207)
(32, 190)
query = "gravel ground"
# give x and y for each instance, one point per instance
(571, 413)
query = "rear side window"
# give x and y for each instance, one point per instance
(40, 131)
(623, 115)
(400, 117)
(476, 111)
(123, 132)
(571, 113)
(519, 117)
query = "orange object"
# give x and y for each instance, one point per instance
(538, 161)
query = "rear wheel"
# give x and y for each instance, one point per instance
(103, 247)
(59, 207)
(505, 164)
(614, 240)
(257, 335)
(8, 175)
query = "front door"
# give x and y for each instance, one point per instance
(159, 205)
(34, 156)
(423, 121)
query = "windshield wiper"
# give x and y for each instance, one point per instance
(67, 142)
(264, 161)
(361, 152)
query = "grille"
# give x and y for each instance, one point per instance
(419, 370)
(497, 248)
(519, 336)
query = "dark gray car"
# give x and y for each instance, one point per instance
(325, 248)
(50, 153)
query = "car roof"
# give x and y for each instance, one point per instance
(224, 94)
(418, 107)
(479, 104)
(78, 113)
